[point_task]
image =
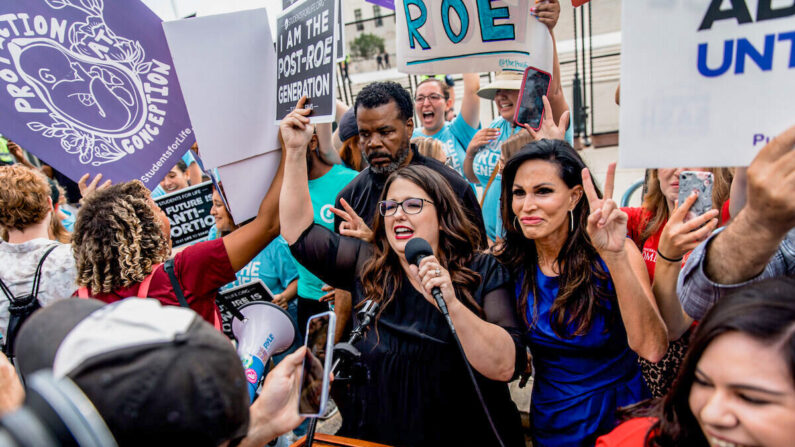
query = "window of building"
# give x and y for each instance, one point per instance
(377, 15)
(357, 16)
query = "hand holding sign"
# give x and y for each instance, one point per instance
(607, 224)
(296, 129)
(771, 184)
(547, 12)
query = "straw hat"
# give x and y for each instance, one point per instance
(505, 80)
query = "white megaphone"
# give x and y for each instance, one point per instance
(266, 330)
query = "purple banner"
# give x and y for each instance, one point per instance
(385, 3)
(88, 86)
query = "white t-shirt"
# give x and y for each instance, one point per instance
(18, 265)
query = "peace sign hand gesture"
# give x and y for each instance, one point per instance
(352, 225)
(607, 224)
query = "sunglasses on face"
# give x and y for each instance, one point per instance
(410, 206)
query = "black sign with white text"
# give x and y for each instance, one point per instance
(305, 51)
(188, 211)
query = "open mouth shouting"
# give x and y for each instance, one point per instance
(403, 232)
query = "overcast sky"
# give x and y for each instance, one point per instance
(175, 9)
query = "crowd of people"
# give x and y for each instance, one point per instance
(641, 326)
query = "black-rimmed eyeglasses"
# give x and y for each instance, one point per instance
(410, 206)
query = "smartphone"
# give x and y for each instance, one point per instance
(319, 343)
(535, 85)
(690, 181)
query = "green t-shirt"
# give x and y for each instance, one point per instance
(323, 191)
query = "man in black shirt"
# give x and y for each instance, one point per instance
(384, 115)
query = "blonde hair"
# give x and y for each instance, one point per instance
(23, 197)
(515, 143)
(117, 238)
(430, 147)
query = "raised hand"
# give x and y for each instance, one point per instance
(90, 188)
(771, 183)
(547, 12)
(482, 138)
(679, 237)
(352, 225)
(607, 224)
(549, 129)
(295, 128)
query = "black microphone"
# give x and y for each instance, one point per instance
(416, 249)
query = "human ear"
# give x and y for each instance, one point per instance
(576, 195)
(410, 125)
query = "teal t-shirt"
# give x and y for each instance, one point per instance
(455, 137)
(274, 265)
(323, 192)
(491, 201)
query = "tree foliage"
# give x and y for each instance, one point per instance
(367, 45)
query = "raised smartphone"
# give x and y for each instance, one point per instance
(535, 85)
(690, 181)
(319, 343)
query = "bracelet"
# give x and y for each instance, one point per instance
(667, 258)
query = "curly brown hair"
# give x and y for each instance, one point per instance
(23, 197)
(382, 275)
(117, 238)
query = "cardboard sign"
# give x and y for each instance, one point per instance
(89, 87)
(704, 82)
(188, 211)
(230, 101)
(244, 195)
(305, 58)
(469, 36)
(238, 297)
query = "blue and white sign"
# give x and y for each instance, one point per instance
(463, 36)
(88, 86)
(704, 82)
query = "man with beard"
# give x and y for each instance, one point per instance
(384, 116)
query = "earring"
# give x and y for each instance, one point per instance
(571, 221)
(516, 223)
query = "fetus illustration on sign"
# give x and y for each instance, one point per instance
(91, 86)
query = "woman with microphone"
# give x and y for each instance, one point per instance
(417, 390)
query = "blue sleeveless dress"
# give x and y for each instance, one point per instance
(579, 381)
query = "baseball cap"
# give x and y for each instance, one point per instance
(157, 374)
(504, 80)
(348, 126)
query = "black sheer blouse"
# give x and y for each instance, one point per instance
(417, 390)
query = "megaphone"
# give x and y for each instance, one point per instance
(266, 330)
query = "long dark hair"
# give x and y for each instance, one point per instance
(382, 274)
(580, 295)
(764, 311)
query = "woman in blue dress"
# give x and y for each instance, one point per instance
(583, 290)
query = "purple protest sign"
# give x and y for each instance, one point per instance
(390, 4)
(89, 86)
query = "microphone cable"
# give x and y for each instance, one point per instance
(443, 307)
